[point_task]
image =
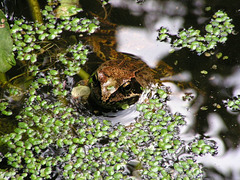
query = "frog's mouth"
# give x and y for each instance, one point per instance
(128, 93)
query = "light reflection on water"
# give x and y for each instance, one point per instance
(125, 117)
(226, 161)
(233, 81)
(142, 41)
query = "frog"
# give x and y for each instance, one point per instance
(119, 82)
(121, 77)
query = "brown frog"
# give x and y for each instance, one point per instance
(118, 82)
(120, 79)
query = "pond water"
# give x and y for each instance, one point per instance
(137, 34)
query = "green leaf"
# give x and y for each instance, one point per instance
(6, 44)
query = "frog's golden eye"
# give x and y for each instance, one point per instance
(127, 87)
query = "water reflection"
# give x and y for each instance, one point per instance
(125, 117)
(141, 40)
(233, 81)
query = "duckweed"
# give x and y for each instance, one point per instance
(217, 31)
(233, 104)
(53, 134)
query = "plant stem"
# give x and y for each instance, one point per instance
(35, 9)
(83, 74)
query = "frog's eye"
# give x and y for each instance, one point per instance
(94, 80)
(127, 87)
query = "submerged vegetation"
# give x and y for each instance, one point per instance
(53, 139)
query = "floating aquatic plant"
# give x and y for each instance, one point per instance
(52, 136)
(54, 139)
(233, 104)
(217, 31)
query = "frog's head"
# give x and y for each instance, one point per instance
(119, 82)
